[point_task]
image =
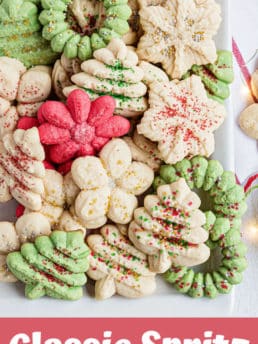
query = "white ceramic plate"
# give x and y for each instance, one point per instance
(166, 302)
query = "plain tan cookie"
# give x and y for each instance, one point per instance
(62, 72)
(248, 121)
(254, 83)
(144, 150)
(53, 198)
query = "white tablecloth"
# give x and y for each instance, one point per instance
(244, 19)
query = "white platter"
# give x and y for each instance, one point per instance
(165, 302)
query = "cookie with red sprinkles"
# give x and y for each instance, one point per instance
(182, 119)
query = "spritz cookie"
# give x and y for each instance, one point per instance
(117, 266)
(169, 228)
(54, 265)
(182, 119)
(79, 27)
(21, 168)
(109, 185)
(114, 71)
(179, 35)
(22, 92)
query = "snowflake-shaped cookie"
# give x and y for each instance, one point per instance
(182, 119)
(179, 34)
(109, 185)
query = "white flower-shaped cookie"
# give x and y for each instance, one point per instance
(169, 228)
(21, 168)
(117, 266)
(27, 88)
(178, 34)
(182, 119)
(109, 185)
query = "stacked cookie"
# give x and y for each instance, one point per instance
(105, 163)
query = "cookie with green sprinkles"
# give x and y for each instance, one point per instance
(20, 33)
(223, 222)
(114, 71)
(169, 228)
(217, 76)
(117, 266)
(54, 265)
(79, 27)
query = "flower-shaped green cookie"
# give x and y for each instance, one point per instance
(20, 33)
(78, 28)
(53, 266)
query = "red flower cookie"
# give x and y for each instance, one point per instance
(80, 127)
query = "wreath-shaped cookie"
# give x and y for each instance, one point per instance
(78, 28)
(223, 223)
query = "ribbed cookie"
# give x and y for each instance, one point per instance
(114, 71)
(169, 228)
(117, 266)
(79, 27)
(20, 33)
(223, 222)
(53, 266)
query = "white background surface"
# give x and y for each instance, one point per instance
(244, 299)
(244, 18)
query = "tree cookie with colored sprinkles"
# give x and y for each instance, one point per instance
(117, 266)
(54, 265)
(21, 168)
(169, 228)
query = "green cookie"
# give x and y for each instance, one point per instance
(53, 266)
(20, 33)
(217, 76)
(83, 41)
(223, 221)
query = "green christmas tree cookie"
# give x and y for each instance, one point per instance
(20, 33)
(53, 266)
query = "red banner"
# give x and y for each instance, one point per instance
(129, 331)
